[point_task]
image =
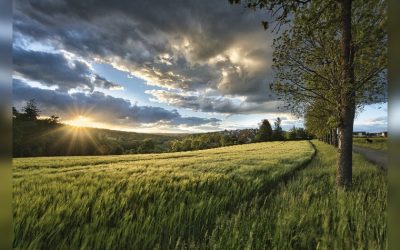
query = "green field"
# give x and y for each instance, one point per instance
(380, 143)
(239, 197)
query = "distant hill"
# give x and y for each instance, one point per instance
(43, 138)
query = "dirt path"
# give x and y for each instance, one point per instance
(377, 157)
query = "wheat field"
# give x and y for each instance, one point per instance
(254, 196)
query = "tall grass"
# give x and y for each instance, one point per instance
(142, 201)
(308, 212)
(254, 196)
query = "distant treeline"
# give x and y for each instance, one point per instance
(235, 137)
(48, 137)
(213, 140)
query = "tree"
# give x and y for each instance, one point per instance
(309, 72)
(292, 135)
(146, 146)
(321, 123)
(225, 140)
(301, 133)
(316, 121)
(277, 134)
(264, 132)
(31, 111)
(175, 145)
(337, 57)
(53, 120)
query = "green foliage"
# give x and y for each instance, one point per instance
(318, 121)
(302, 133)
(292, 135)
(264, 132)
(31, 111)
(213, 140)
(307, 58)
(308, 65)
(298, 134)
(147, 146)
(279, 11)
(277, 133)
(226, 140)
(227, 198)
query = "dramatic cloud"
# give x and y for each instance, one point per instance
(180, 45)
(212, 103)
(53, 69)
(103, 108)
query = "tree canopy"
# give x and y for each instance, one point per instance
(307, 58)
(277, 133)
(31, 111)
(264, 132)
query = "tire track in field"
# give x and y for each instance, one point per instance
(270, 186)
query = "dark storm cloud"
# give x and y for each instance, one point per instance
(141, 19)
(53, 69)
(190, 45)
(103, 108)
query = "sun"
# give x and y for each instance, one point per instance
(80, 121)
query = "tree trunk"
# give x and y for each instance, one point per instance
(335, 138)
(347, 110)
(329, 137)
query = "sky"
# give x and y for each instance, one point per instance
(151, 66)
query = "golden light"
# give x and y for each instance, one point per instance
(235, 55)
(79, 133)
(80, 121)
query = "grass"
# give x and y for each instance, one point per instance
(377, 143)
(237, 197)
(308, 212)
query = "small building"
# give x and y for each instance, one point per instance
(383, 134)
(359, 134)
